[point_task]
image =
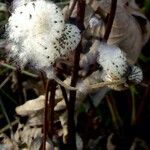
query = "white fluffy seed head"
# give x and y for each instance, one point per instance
(34, 19)
(113, 62)
(136, 75)
(38, 34)
(70, 39)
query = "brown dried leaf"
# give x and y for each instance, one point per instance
(126, 32)
(31, 106)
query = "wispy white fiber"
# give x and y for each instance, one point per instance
(113, 62)
(136, 75)
(38, 34)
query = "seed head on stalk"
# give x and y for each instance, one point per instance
(38, 35)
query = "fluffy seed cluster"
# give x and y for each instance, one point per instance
(136, 75)
(113, 62)
(116, 68)
(38, 34)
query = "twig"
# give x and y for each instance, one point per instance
(72, 96)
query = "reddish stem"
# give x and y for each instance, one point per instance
(45, 124)
(51, 107)
(72, 97)
(110, 20)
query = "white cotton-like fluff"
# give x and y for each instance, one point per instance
(136, 75)
(113, 62)
(34, 19)
(70, 39)
(38, 35)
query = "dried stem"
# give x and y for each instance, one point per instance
(45, 124)
(80, 14)
(103, 84)
(63, 90)
(72, 96)
(22, 71)
(13, 123)
(51, 107)
(111, 110)
(118, 121)
(43, 79)
(110, 20)
(64, 95)
(71, 104)
(20, 87)
(64, 85)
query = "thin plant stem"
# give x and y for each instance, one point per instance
(51, 105)
(64, 93)
(133, 113)
(23, 71)
(110, 20)
(112, 112)
(72, 96)
(71, 105)
(104, 84)
(6, 80)
(8, 96)
(45, 123)
(6, 116)
(63, 90)
(43, 79)
(4, 129)
(20, 87)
